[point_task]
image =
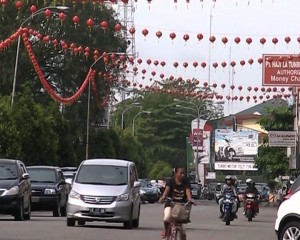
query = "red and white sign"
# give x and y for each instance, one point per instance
(281, 70)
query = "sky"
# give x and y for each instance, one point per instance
(253, 19)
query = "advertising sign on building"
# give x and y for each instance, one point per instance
(235, 150)
(281, 70)
(282, 138)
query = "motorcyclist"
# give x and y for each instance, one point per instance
(251, 189)
(228, 188)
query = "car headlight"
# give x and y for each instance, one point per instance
(50, 191)
(142, 191)
(74, 194)
(123, 197)
(13, 191)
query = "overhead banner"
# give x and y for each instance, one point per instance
(281, 70)
(282, 138)
(235, 150)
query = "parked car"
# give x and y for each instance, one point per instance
(105, 190)
(294, 188)
(15, 189)
(195, 189)
(148, 192)
(287, 225)
(49, 190)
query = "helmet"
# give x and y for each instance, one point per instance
(249, 180)
(219, 184)
(228, 177)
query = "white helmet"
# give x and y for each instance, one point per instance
(249, 180)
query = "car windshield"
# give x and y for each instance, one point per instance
(103, 175)
(42, 175)
(8, 171)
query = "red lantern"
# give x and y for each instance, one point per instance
(19, 5)
(232, 87)
(139, 61)
(203, 64)
(240, 88)
(223, 64)
(215, 64)
(237, 40)
(104, 25)
(185, 64)
(275, 40)
(62, 16)
(223, 85)
(224, 40)
(175, 64)
(241, 98)
(262, 41)
(47, 13)
(145, 32)
(186, 37)
(249, 40)
(298, 39)
(153, 73)
(263, 89)
(255, 89)
(195, 64)
(172, 35)
(90, 23)
(148, 61)
(287, 40)
(200, 36)
(214, 85)
(232, 64)
(163, 63)
(249, 88)
(242, 62)
(118, 27)
(212, 39)
(75, 20)
(260, 60)
(125, 1)
(155, 62)
(144, 71)
(250, 61)
(158, 34)
(32, 9)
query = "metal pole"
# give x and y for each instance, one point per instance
(197, 152)
(122, 124)
(133, 127)
(15, 72)
(88, 123)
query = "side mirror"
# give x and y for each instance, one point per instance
(69, 181)
(137, 184)
(25, 175)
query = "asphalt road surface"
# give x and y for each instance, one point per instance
(205, 225)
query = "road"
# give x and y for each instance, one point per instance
(205, 225)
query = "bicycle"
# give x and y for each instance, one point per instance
(176, 229)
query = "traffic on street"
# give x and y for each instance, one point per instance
(204, 225)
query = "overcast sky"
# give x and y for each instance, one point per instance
(230, 19)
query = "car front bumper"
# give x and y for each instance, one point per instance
(114, 212)
(47, 202)
(9, 204)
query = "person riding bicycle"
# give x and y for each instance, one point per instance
(178, 188)
(228, 188)
(251, 189)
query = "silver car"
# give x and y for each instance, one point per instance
(105, 190)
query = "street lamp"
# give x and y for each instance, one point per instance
(89, 101)
(133, 120)
(19, 41)
(129, 107)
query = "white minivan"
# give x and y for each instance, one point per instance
(105, 190)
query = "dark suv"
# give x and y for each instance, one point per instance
(15, 189)
(49, 190)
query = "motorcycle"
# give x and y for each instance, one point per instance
(251, 206)
(218, 196)
(227, 208)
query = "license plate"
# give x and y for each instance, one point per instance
(35, 199)
(97, 211)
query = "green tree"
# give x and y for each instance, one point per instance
(160, 170)
(273, 161)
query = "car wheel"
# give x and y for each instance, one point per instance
(57, 211)
(290, 231)
(81, 222)
(128, 224)
(28, 214)
(70, 222)
(19, 215)
(136, 222)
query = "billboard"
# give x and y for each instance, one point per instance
(281, 70)
(235, 150)
(282, 138)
